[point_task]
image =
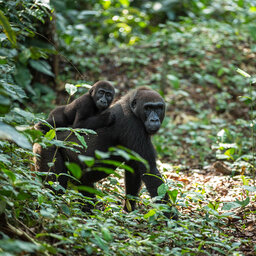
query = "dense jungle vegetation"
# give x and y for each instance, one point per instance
(200, 55)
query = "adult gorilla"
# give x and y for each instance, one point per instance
(137, 115)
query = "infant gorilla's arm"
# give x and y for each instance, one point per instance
(101, 120)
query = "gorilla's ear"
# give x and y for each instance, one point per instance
(133, 105)
(91, 91)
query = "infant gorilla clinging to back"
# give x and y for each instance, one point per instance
(81, 112)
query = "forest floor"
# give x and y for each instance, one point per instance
(220, 188)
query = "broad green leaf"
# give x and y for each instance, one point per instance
(17, 247)
(107, 170)
(24, 55)
(23, 77)
(50, 135)
(41, 66)
(89, 161)
(101, 155)
(90, 190)
(174, 81)
(10, 174)
(71, 89)
(232, 205)
(227, 214)
(243, 203)
(65, 209)
(152, 212)
(125, 3)
(48, 213)
(121, 153)
(229, 206)
(7, 29)
(7, 132)
(25, 114)
(173, 195)
(162, 189)
(14, 91)
(4, 104)
(106, 234)
(100, 242)
(105, 3)
(74, 169)
(249, 188)
(4, 158)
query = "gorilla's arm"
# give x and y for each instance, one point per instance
(95, 122)
(56, 118)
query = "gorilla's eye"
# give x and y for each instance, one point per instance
(100, 92)
(147, 110)
(108, 94)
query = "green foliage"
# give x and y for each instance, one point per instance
(192, 58)
(7, 29)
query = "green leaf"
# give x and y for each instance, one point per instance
(71, 89)
(232, 205)
(81, 139)
(249, 188)
(23, 77)
(243, 73)
(2, 206)
(14, 91)
(107, 170)
(90, 190)
(174, 81)
(244, 202)
(89, 161)
(4, 104)
(173, 195)
(75, 169)
(28, 116)
(152, 212)
(106, 4)
(50, 135)
(7, 132)
(17, 247)
(4, 158)
(65, 209)
(229, 206)
(101, 155)
(100, 242)
(7, 29)
(106, 234)
(128, 205)
(41, 66)
(125, 3)
(24, 55)
(162, 189)
(10, 174)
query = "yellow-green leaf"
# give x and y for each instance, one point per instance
(243, 73)
(7, 29)
(152, 212)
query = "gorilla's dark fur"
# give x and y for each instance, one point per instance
(137, 115)
(80, 113)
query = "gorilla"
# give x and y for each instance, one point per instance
(138, 115)
(80, 113)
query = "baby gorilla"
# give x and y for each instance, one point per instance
(81, 112)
